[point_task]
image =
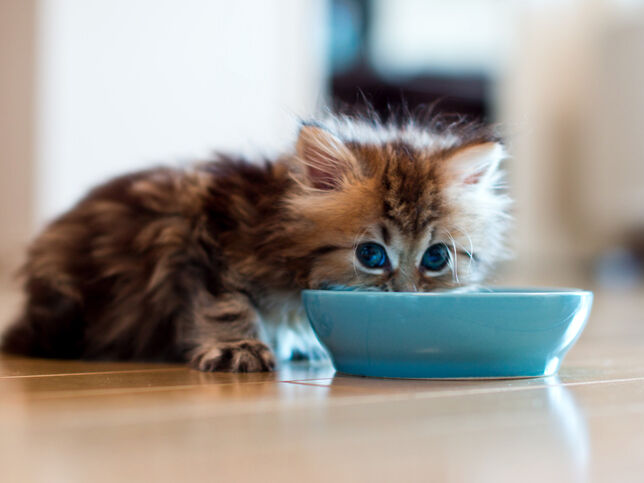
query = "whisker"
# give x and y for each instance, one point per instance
(454, 262)
(470, 253)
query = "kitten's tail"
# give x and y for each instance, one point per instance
(50, 326)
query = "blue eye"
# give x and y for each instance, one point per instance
(371, 255)
(435, 257)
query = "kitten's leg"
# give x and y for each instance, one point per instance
(224, 332)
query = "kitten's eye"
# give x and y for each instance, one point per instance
(371, 255)
(435, 257)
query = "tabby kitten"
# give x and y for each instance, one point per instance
(206, 264)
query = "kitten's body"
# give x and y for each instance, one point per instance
(200, 264)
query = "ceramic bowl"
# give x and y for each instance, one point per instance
(492, 333)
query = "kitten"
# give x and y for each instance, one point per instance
(205, 264)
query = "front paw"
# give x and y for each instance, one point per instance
(242, 356)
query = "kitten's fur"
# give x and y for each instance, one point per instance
(187, 264)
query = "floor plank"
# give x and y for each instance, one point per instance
(81, 421)
(459, 437)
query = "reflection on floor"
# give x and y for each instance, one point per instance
(79, 421)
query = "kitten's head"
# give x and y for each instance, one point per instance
(399, 207)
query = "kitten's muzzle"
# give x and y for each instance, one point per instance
(403, 285)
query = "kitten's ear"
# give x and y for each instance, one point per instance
(326, 160)
(476, 163)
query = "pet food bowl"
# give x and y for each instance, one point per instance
(491, 333)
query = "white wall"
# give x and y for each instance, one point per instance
(123, 84)
(456, 36)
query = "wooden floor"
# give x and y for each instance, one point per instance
(76, 421)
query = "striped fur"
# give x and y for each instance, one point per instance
(205, 264)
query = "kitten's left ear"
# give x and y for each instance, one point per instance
(474, 164)
(327, 161)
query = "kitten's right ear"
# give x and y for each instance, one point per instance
(325, 158)
(474, 164)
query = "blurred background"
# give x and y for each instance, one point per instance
(92, 88)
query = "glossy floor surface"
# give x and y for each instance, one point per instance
(74, 421)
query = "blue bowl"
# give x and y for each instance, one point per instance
(492, 333)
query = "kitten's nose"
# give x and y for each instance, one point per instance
(403, 284)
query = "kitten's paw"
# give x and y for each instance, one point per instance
(242, 356)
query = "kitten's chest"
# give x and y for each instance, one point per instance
(286, 329)
(281, 309)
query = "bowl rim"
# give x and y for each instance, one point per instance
(494, 293)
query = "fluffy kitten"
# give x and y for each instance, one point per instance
(203, 264)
